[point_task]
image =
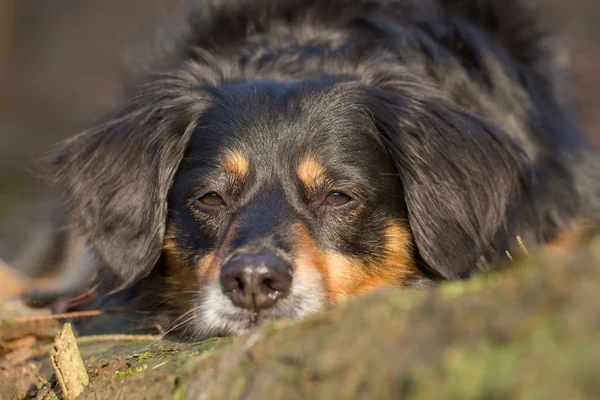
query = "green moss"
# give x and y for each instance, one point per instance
(211, 340)
(405, 300)
(142, 357)
(458, 288)
(179, 392)
(203, 355)
(122, 374)
(162, 364)
(238, 386)
(528, 331)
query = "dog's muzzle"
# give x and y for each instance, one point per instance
(256, 281)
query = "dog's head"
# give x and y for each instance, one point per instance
(273, 198)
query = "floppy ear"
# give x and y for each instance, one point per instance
(116, 177)
(459, 174)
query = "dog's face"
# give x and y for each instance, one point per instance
(286, 200)
(273, 198)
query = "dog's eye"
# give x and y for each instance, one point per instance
(212, 199)
(337, 199)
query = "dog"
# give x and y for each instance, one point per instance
(282, 156)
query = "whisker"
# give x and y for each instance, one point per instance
(176, 323)
(180, 321)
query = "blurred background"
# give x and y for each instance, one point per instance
(60, 62)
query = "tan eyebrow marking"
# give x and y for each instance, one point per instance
(311, 171)
(236, 163)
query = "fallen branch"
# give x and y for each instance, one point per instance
(68, 365)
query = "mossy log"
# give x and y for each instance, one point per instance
(529, 331)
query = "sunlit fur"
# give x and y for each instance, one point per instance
(447, 122)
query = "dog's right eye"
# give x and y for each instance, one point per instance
(337, 199)
(211, 199)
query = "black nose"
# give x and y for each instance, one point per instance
(256, 281)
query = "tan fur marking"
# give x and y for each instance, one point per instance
(311, 172)
(181, 276)
(346, 276)
(13, 282)
(397, 264)
(205, 264)
(236, 163)
(181, 280)
(175, 262)
(309, 257)
(170, 247)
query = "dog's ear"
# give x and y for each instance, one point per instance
(116, 177)
(459, 174)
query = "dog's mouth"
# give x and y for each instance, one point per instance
(259, 317)
(233, 321)
(217, 314)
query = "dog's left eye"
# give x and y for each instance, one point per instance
(211, 199)
(337, 199)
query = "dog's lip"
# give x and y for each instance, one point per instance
(255, 318)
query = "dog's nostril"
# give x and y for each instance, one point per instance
(255, 281)
(269, 284)
(240, 284)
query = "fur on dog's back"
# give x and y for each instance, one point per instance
(492, 57)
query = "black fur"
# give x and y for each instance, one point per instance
(465, 95)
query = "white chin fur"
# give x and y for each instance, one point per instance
(215, 314)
